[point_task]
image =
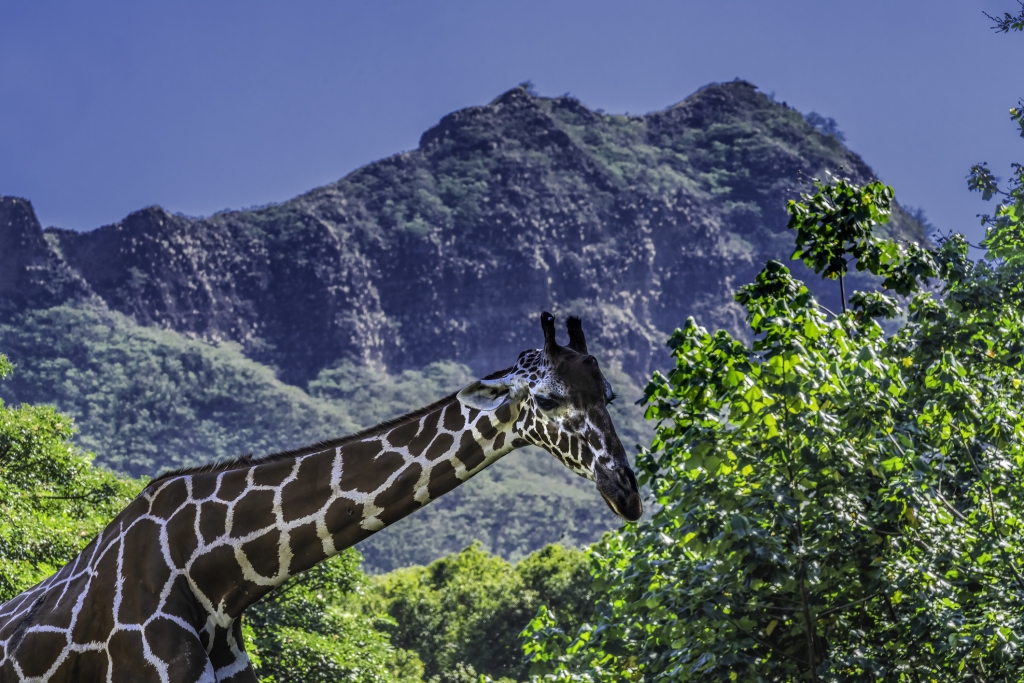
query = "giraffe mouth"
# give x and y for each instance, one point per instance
(619, 489)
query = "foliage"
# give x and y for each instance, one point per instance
(835, 504)
(52, 499)
(836, 225)
(463, 613)
(311, 629)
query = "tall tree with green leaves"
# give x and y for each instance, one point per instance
(836, 504)
(52, 500)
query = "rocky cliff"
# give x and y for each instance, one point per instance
(449, 251)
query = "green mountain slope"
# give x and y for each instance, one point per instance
(147, 399)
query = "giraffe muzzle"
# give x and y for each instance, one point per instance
(619, 489)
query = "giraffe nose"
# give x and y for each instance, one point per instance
(619, 489)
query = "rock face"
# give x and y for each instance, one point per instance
(450, 250)
(32, 272)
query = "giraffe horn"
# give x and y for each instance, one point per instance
(547, 323)
(577, 342)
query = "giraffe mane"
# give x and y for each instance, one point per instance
(248, 459)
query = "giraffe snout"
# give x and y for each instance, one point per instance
(619, 489)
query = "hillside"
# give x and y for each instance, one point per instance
(174, 340)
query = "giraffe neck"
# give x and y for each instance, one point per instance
(262, 523)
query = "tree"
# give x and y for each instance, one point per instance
(1009, 22)
(312, 629)
(52, 500)
(836, 504)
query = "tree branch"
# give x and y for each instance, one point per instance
(766, 644)
(808, 627)
(855, 602)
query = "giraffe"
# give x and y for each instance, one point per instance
(158, 595)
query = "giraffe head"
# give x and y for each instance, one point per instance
(560, 400)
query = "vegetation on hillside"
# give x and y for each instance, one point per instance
(447, 251)
(146, 399)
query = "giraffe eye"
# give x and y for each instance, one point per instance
(547, 402)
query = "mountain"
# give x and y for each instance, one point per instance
(176, 340)
(448, 251)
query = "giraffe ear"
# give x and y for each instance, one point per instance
(487, 394)
(577, 342)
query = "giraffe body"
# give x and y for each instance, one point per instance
(159, 593)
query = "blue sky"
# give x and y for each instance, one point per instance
(107, 107)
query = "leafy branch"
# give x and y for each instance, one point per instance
(1008, 22)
